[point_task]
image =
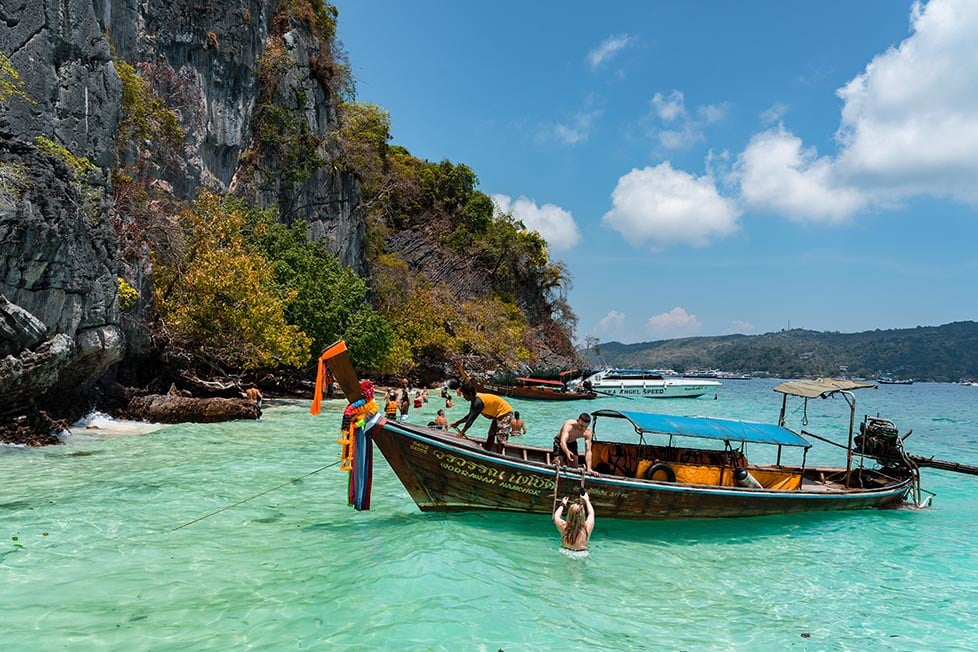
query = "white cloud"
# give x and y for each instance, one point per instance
(671, 124)
(778, 174)
(774, 114)
(611, 327)
(666, 207)
(607, 50)
(909, 126)
(910, 120)
(555, 224)
(740, 326)
(574, 131)
(669, 108)
(677, 322)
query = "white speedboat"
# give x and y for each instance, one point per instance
(646, 383)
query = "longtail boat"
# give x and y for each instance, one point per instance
(662, 475)
(536, 389)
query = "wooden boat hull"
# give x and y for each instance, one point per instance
(533, 393)
(443, 473)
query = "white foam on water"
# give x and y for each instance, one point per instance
(99, 425)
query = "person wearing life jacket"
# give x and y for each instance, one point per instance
(390, 408)
(492, 407)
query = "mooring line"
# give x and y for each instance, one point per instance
(241, 502)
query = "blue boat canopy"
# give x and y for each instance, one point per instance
(709, 428)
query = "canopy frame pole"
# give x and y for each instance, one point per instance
(851, 400)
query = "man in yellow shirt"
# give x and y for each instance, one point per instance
(492, 407)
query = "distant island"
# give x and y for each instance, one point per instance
(945, 353)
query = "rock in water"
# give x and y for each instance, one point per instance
(164, 408)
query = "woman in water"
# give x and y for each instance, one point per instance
(576, 530)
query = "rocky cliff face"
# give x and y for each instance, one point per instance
(253, 84)
(59, 257)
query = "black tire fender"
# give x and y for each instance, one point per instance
(661, 466)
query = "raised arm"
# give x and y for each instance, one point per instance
(558, 513)
(589, 519)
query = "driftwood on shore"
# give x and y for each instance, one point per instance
(167, 408)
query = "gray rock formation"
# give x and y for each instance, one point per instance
(59, 254)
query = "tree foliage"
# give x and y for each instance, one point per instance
(433, 325)
(11, 85)
(145, 124)
(330, 301)
(217, 293)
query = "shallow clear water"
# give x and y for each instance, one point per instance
(91, 557)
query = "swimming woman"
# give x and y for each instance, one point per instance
(575, 532)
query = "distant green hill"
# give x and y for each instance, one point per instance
(939, 353)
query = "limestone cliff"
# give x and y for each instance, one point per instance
(59, 255)
(254, 87)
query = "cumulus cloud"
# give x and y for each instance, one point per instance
(675, 323)
(909, 126)
(910, 120)
(611, 327)
(663, 207)
(607, 50)
(675, 127)
(778, 174)
(555, 224)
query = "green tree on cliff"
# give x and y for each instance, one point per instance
(330, 301)
(217, 294)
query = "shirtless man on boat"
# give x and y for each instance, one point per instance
(565, 443)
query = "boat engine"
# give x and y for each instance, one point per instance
(879, 438)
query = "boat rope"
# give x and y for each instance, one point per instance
(805, 433)
(241, 502)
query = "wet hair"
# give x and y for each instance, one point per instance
(585, 417)
(576, 516)
(441, 413)
(516, 415)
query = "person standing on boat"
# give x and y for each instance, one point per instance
(575, 532)
(565, 443)
(492, 407)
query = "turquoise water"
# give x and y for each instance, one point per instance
(90, 557)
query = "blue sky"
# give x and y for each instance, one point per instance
(706, 168)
